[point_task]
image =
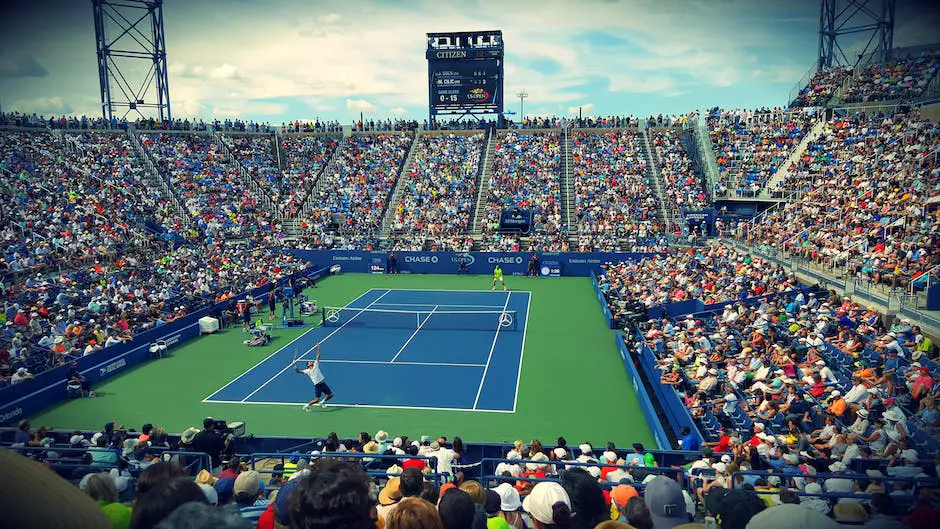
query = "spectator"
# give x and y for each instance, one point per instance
(152, 507)
(211, 442)
(248, 493)
(335, 495)
(414, 513)
(549, 506)
(195, 515)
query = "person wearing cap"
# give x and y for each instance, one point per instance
(666, 503)
(838, 484)
(75, 376)
(510, 506)
(620, 496)
(248, 495)
(549, 505)
(837, 405)
(444, 455)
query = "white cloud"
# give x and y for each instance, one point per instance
(398, 111)
(227, 72)
(585, 108)
(639, 85)
(43, 105)
(360, 105)
(242, 108)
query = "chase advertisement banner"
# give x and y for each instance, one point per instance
(483, 263)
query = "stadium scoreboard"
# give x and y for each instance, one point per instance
(465, 73)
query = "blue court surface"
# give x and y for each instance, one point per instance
(420, 349)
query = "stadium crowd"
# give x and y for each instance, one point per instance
(751, 144)
(683, 188)
(306, 157)
(526, 174)
(439, 193)
(901, 79)
(614, 200)
(209, 184)
(74, 199)
(353, 194)
(712, 274)
(821, 87)
(866, 183)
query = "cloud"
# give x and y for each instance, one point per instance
(227, 72)
(398, 111)
(639, 85)
(360, 105)
(243, 108)
(585, 108)
(43, 105)
(21, 66)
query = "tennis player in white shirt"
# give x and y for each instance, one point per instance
(319, 382)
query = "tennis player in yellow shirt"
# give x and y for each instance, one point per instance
(498, 276)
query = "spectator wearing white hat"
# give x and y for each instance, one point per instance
(839, 484)
(20, 375)
(510, 506)
(549, 505)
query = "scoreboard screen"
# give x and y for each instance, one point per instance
(465, 72)
(456, 83)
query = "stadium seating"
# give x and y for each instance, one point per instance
(439, 193)
(750, 145)
(683, 188)
(878, 167)
(900, 79)
(306, 158)
(526, 173)
(821, 87)
(350, 203)
(614, 200)
(216, 196)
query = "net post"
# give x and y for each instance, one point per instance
(323, 316)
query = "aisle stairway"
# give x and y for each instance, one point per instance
(568, 213)
(160, 181)
(388, 220)
(665, 213)
(486, 172)
(784, 170)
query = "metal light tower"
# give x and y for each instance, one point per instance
(522, 96)
(841, 18)
(131, 58)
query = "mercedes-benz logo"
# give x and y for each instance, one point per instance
(505, 319)
(332, 316)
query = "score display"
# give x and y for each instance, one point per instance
(458, 83)
(465, 73)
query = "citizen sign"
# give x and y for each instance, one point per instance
(420, 258)
(504, 260)
(451, 54)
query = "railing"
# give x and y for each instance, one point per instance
(193, 462)
(372, 463)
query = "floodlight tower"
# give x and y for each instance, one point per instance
(131, 58)
(841, 18)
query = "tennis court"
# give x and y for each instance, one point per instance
(454, 350)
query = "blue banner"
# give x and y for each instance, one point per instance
(512, 263)
(608, 316)
(515, 220)
(646, 405)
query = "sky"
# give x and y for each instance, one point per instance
(278, 60)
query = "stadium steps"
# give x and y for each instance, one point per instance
(784, 170)
(262, 193)
(483, 183)
(167, 192)
(306, 205)
(567, 185)
(652, 172)
(388, 220)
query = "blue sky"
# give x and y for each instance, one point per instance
(289, 59)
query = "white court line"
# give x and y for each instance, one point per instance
(454, 290)
(494, 307)
(308, 350)
(428, 317)
(382, 362)
(429, 408)
(265, 359)
(490, 356)
(515, 398)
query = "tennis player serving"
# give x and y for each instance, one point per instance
(319, 382)
(498, 276)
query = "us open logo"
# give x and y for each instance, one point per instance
(464, 258)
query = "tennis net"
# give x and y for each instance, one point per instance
(470, 320)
